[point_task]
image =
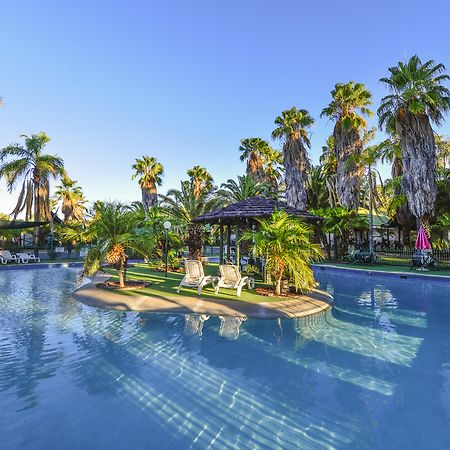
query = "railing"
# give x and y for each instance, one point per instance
(404, 256)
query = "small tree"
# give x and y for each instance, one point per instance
(113, 230)
(343, 222)
(285, 242)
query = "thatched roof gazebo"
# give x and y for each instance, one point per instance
(245, 213)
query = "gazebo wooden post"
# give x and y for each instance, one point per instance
(228, 242)
(221, 244)
(238, 250)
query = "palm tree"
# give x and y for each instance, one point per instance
(150, 172)
(183, 206)
(273, 168)
(201, 179)
(418, 98)
(390, 151)
(113, 229)
(253, 151)
(343, 222)
(72, 198)
(318, 190)
(30, 165)
(245, 187)
(443, 151)
(285, 242)
(347, 108)
(263, 162)
(292, 130)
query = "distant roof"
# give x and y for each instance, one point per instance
(22, 224)
(252, 208)
(18, 224)
(380, 219)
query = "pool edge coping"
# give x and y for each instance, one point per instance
(370, 272)
(89, 294)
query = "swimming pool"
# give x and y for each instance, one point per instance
(372, 373)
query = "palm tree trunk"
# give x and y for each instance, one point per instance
(371, 211)
(347, 145)
(149, 198)
(295, 163)
(278, 286)
(419, 162)
(37, 213)
(194, 241)
(255, 167)
(121, 275)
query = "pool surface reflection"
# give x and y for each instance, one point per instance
(374, 372)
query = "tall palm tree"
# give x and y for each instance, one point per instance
(150, 172)
(245, 187)
(201, 179)
(418, 98)
(183, 206)
(442, 151)
(30, 165)
(273, 168)
(348, 107)
(72, 199)
(253, 152)
(391, 152)
(292, 130)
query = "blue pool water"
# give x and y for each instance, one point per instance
(372, 374)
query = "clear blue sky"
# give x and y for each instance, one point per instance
(186, 80)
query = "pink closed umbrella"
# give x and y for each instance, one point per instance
(422, 242)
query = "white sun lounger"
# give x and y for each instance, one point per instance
(195, 276)
(7, 257)
(25, 258)
(231, 278)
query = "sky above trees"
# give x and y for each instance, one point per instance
(185, 81)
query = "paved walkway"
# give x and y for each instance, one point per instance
(385, 270)
(306, 305)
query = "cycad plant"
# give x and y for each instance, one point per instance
(285, 242)
(418, 99)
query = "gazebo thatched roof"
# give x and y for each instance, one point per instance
(252, 208)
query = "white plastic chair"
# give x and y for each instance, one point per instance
(195, 276)
(8, 257)
(25, 258)
(231, 278)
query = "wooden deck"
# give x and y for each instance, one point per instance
(303, 306)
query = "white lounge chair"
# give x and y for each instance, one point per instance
(231, 278)
(7, 257)
(195, 277)
(25, 258)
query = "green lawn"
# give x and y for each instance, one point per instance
(168, 286)
(387, 268)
